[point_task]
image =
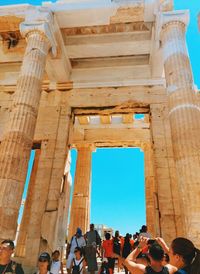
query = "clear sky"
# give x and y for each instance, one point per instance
(118, 198)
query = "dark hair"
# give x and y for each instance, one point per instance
(166, 257)
(45, 257)
(143, 228)
(56, 251)
(127, 238)
(156, 252)
(9, 242)
(107, 236)
(190, 254)
(117, 233)
(79, 249)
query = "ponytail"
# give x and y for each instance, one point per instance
(190, 254)
(195, 263)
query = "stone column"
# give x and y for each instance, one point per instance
(20, 249)
(152, 218)
(17, 140)
(184, 116)
(80, 210)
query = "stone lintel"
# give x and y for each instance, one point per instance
(40, 19)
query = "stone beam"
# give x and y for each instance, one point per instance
(112, 110)
(106, 97)
(106, 45)
(104, 76)
(78, 63)
(9, 84)
(120, 97)
(109, 135)
(73, 13)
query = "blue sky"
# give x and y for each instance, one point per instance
(118, 174)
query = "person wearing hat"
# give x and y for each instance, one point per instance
(44, 262)
(6, 264)
(76, 241)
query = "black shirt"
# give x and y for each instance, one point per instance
(12, 267)
(149, 270)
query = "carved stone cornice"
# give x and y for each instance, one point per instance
(171, 17)
(40, 19)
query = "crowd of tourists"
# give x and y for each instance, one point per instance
(136, 254)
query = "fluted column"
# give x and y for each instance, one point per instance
(17, 140)
(152, 218)
(22, 237)
(80, 210)
(184, 116)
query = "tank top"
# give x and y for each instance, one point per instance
(55, 267)
(149, 270)
(80, 263)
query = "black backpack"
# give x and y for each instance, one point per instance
(104, 269)
(116, 246)
(76, 268)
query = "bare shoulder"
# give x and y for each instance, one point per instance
(172, 269)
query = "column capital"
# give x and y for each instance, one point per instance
(171, 17)
(90, 147)
(40, 19)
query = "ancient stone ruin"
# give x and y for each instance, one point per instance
(73, 74)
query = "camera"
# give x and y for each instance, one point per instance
(151, 241)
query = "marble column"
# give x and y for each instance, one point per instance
(18, 139)
(184, 116)
(80, 210)
(152, 218)
(20, 249)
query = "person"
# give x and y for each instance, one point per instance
(107, 250)
(117, 243)
(144, 232)
(166, 259)
(131, 241)
(44, 262)
(56, 264)
(78, 262)
(155, 254)
(93, 242)
(104, 269)
(6, 264)
(126, 249)
(76, 241)
(183, 255)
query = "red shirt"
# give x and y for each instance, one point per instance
(108, 248)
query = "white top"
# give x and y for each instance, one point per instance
(80, 242)
(55, 267)
(145, 234)
(81, 264)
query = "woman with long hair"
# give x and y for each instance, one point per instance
(183, 255)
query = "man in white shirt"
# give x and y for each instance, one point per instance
(76, 241)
